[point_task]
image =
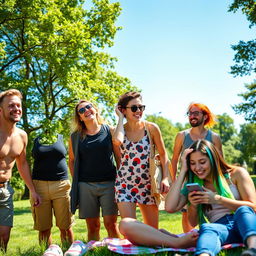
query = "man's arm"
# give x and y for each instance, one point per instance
(217, 142)
(176, 152)
(23, 168)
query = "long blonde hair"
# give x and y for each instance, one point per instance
(77, 124)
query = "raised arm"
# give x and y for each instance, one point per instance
(175, 200)
(217, 142)
(118, 135)
(176, 152)
(116, 149)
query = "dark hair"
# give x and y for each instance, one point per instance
(128, 96)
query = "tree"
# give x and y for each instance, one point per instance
(231, 154)
(248, 107)
(247, 144)
(225, 127)
(245, 60)
(54, 52)
(50, 50)
(167, 129)
(245, 51)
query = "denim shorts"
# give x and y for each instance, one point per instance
(6, 205)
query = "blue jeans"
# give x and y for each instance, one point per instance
(232, 228)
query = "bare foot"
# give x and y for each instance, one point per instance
(188, 240)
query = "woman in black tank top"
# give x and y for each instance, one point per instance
(92, 168)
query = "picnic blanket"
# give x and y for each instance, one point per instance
(124, 246)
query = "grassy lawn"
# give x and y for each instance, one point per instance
(24, 240)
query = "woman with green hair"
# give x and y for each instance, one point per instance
(224, 209)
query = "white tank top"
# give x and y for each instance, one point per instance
(218, 210)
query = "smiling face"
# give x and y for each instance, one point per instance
(11, 109)
(129, 114)
(200, 165)
(86, 111)
(196, 116)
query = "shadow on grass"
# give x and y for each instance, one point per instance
(21, 210)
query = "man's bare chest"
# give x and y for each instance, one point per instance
(10, 147)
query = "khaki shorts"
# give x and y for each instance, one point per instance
(55, 199)
(6, 205)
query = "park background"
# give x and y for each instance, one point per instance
(175, 52)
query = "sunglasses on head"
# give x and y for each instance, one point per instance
(83, 109)
(134, 108)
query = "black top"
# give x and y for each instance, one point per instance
(96, 157)
(50, 160)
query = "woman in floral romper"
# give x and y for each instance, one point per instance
(132, 184)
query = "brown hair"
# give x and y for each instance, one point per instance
(125, 98)
(78, 125)
(218, 164)
(210, 121)
(10, 92)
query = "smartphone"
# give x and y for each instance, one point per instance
(194, 187)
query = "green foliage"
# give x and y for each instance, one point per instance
(167, 129)
(248, 107)
(245, 60)
(54, 53)
(245, 51)
(248, 7)
(231, 154)
(225, 127)
(247, 144)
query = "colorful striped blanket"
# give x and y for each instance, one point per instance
(123, 246)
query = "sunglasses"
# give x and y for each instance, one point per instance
(82, 110)
(134, 108)
(194, 113)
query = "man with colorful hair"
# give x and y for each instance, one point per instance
(13, 142)
(199, 117)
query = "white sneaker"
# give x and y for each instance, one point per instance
(78, 248)
(53, 250)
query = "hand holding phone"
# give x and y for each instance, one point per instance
(194, 187)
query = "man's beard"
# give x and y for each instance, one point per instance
(10, 118)
(197, 123)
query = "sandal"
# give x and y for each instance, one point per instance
(249, 252)
(78, 248)
(53, 250)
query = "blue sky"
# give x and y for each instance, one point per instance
(180, 51)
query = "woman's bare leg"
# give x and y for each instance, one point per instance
(150, 214)
(139, 233)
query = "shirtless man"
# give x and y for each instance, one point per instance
(13, 142)
(199, 116)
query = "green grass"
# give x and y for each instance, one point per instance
(24, 240)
